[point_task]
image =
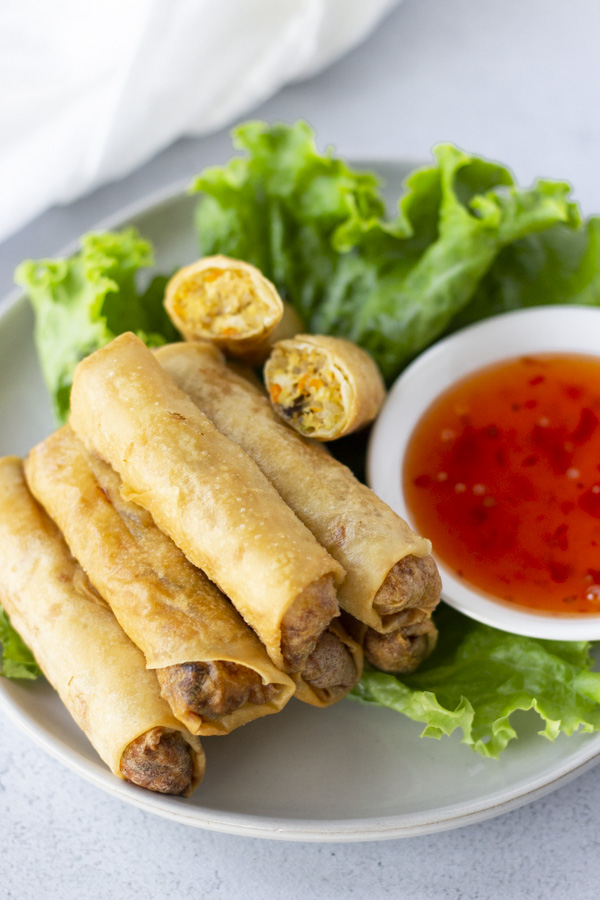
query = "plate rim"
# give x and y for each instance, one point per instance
(308, 830)
(264, 826)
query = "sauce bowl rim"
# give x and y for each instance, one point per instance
(542, 329)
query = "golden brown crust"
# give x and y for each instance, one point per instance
(169, 609)
(200, 488)
(346, 517)
(100, 675)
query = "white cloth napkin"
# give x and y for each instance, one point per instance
(90, 89)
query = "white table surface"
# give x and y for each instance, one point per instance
(515, 80)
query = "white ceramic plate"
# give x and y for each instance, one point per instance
(545, 329)
(350, 773)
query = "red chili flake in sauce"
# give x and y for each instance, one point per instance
(517, 510)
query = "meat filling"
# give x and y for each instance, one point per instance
(212, 689)
(159, 761)
(401, 652)
(330, 666)
(412, 582)
(306, 620)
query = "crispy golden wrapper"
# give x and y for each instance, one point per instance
(388, 567)
(100, 675)
(208, 496)
(168, 608)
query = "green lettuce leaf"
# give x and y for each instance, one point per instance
(83, 302)
(478, 677)
(560, 265)
(17, 659)
(318, 229)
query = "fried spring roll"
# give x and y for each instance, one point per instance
(332, 669)
(324, 387)
(401, 651)
(100, 675)
(388, 567)
(225, 301)
(208, 496)
(213, 671)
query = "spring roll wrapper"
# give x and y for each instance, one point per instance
(99, 674)
(361, 386)
(168, 608)
(238, 338)
(346, 517)
(324, 697)
(200, 488)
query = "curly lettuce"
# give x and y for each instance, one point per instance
(559, 265)
(83, 302)
(319, 230)
(478, 677)
(16, 659)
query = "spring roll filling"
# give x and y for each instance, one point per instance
(159, 761)
(401, 652)
(330, 666)
(305, 387)
(413, 581)
(213, 689)
(306, 620)
(221, 303)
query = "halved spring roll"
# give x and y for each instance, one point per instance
(226, 302)
(100, 675)
(208, 496)
(388, 567)
(324, 387)
(401, 651)
(213, 671)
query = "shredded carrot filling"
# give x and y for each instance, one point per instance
(212, 275)
(222, 302)
(303, 383)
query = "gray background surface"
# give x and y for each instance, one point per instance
(518, 81)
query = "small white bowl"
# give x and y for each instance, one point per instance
(546, 329)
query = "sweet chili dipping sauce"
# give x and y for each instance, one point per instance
(502, 472)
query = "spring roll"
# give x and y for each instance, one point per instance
(324, 387)
(100, 675)
(332, 669)
(388, 567)
(401, 651)
(226, 302)
(213, 670)
(209, 497)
